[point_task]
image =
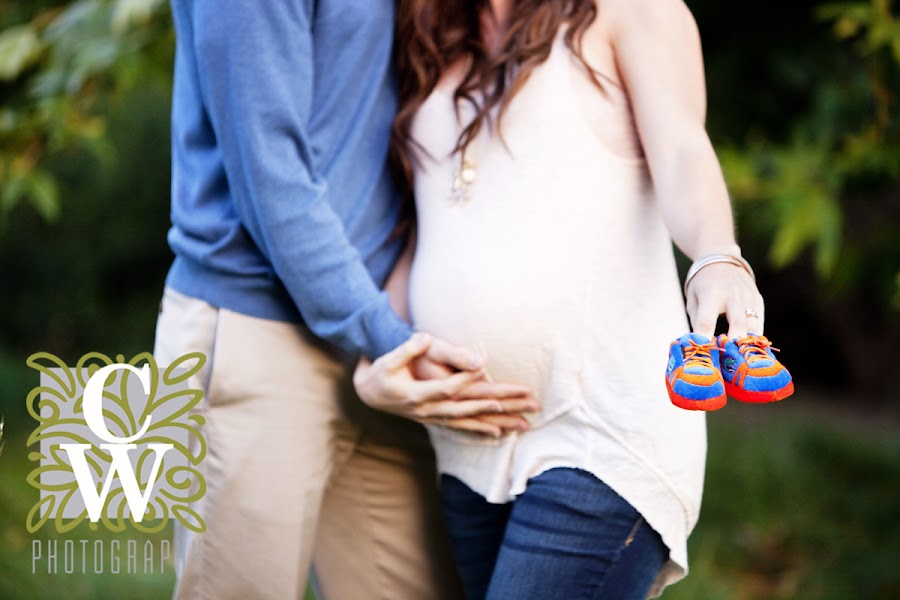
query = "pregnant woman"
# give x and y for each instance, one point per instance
(555, 149)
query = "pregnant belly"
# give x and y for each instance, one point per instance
(521, 305)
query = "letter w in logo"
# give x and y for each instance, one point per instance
(118, 448)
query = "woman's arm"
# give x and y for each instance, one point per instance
(657, 51)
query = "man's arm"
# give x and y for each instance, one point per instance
(255, 64)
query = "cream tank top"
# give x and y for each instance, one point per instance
(558, 267)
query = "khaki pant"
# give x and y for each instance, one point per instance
(300, 472)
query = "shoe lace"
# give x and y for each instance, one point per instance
(700, 354)
(753, 348)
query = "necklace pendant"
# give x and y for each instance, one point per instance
(467, 173)
(462, 181)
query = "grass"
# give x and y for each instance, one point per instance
(797, 505)
(796, 508)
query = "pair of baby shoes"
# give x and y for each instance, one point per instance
(701, 372)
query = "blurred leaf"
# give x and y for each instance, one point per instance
(807, 218)
(13, 189)
(897, 291)
(93, 58)
(133, 12)
(44, 194)
(37, 186)
(19, 48)
(829, 237)
(8, 120)
(74, 20)
(741, 173)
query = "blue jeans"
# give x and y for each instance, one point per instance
(568, 536)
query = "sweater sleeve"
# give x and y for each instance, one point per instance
(256, 71)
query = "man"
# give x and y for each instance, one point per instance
(283, 218)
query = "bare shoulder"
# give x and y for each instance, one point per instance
(641, 24)
(646, 17)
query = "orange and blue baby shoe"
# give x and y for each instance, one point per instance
(750, 370)
(693, 374)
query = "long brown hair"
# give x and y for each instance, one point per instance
(432, 35)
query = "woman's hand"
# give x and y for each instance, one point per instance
(723, 288)
(414, 381)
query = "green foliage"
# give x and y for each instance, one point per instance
(59, 73)
(794, 187)
(19, 48)
(92, 280)
(841, 160)
(872, 22)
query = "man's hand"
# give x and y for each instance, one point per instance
(414, 381)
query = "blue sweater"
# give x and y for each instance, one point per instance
(282, 207)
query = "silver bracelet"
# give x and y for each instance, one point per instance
(705, 261)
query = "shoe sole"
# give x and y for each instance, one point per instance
(758, 397)
(707, 405)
